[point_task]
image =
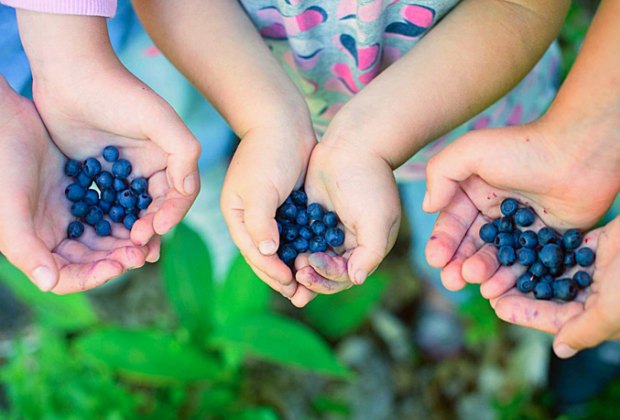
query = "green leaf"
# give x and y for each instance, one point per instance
(147, 355)
(188, 280)
(242, 294)
(281, 340)
(68, 312)
(342, 313)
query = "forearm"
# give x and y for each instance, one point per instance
(589, 100)
(105, 8)
(218, 49)
(473, 57)
(59, 46)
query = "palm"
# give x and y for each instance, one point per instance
(38, 183)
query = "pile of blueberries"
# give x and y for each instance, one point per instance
(546, 254)
(113, 194)
(305, 228)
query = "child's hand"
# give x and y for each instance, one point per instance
(34, 212)
(533, 163)
(88, 100)
(269, 163)
(360, 187)
(587, 322)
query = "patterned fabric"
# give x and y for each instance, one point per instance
(332, 49)
(104, 8)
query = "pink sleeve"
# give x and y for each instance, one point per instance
(105, 8)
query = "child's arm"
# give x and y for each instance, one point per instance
(88, 100)
(216, 46)
(470, 59)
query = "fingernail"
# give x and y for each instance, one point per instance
(190, 184)
(425, 201)
(564, 351)
(44, 278)
(360, 277)
(267, 247)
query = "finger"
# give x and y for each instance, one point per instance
(259, 209)
(23, 248)
(154, 249)
(80, 277)
(585, 330)
(286, 290)
(503, 280)
(481, 266)
(270, 265)
(78, 253)
(543, 315)
(168, 131)
(450, 229)
(302, 296)
(319, 284)
(330, 267)
(451, 274)
(172, 211)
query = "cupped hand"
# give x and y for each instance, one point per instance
(34, 212)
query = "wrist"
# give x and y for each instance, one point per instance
(60, 47)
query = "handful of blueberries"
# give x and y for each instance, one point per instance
(304, 227)
(114, 195)
(546, 254)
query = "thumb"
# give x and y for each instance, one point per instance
(170, 133)
(24, 249)
(457, 162)
(583, 331)
(259, 218)
(374, 241)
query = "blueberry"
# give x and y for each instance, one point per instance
(551, 255)
(93, 215)
(556, 270)
(72, 167)
(330, 219)
(92, 167)
(104, 180)
(505, 224)
(75, 230)
(139, 185)
(299, 197)
(305, 232)
(129, 220)
(302, 217)
(528, 239)
(547, 235)
(79, 209)
(103, 228)
(287, 253)
(110, 154)
(287, 211)
(117, 214)
(334, 237)
(318, 227)
(525, 283)
(279, 227)
(565, 289)
(144, 200)
(584, 257)
(547, 278)
(105, 206)
(524, 217)
(569, 259)
(290, 232)
(75, 192)
(108, 195)
(119, 184)
(509, 206)
(526, 256)
(121, 168)
(317, 244)
(127, 199)
(583, 279)
(504, 239)
(538, 269)
(300, 244)
(543, 291)
(315, 211)
(84, 180)
(488, 232)
(517, 238)
(506, 255)
(572, 239)
(91, 197)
